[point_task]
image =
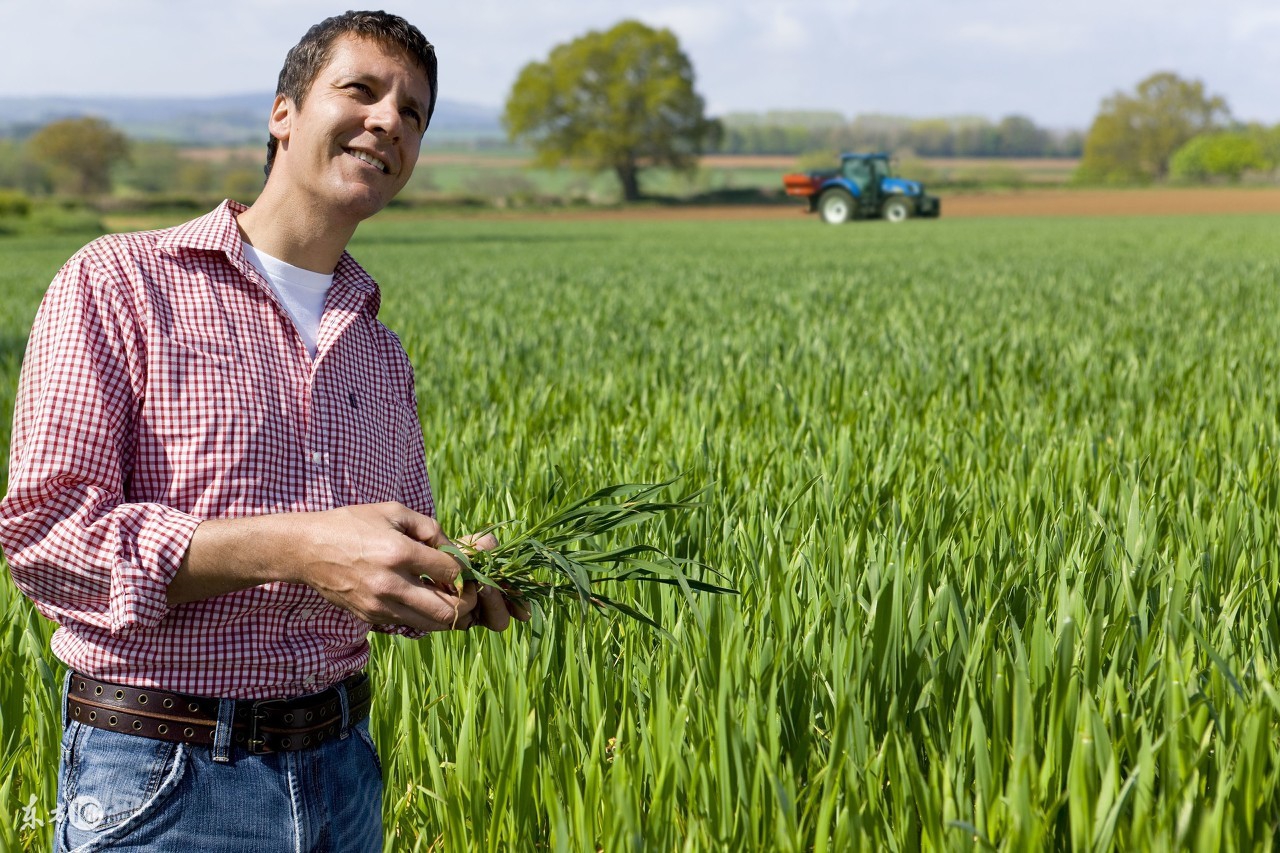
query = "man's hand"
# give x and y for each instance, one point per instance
(494, 610)
(380, 562)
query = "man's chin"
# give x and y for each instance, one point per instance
(366, 204)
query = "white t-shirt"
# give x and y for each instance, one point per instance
(302, 292)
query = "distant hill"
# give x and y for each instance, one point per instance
(225, 120)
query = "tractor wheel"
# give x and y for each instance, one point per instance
(835, 206)
(896, 210)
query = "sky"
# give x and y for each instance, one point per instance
(1053, 62)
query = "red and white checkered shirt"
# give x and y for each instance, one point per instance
(165, 384)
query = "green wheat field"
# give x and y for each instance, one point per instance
(1000, 497)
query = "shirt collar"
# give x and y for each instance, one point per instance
(217, 231)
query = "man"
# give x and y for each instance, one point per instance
(218, 484)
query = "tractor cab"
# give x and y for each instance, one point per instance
(866, 172)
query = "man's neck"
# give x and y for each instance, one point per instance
(295, 232)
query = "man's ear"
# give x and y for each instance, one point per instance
(282, 110)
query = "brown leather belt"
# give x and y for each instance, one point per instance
(261, 725)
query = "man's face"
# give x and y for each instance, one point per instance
(353, 144)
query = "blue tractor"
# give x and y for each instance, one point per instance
(862, 188)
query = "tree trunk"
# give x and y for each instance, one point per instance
(629, 176)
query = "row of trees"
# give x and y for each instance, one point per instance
(88, 157)
(623, 100)
(798, 133)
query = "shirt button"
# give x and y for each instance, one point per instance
(317, 458)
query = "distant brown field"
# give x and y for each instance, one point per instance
(462, 158)
(222, 153)
(781, 162)
(1018, 203)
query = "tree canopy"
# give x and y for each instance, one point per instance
(1219, 155)
(619, 100)
(1133, 138)
(79, 154)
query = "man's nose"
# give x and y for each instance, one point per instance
(384, 116)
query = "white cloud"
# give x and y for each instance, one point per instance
(1255, 23)
(1016, 38)
(695, 23)
(786, 32)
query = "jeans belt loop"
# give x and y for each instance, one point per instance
(66, 692)
(344, 732)
(222, 732)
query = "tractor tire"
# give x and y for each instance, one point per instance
(896, 210)
(835, 206)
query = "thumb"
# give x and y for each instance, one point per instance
(478, 542)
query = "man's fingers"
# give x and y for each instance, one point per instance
(429, 602)
(517, 610)
(437, 565)
(405, 617)
(492, 610)
(514, 606)
(421, 554)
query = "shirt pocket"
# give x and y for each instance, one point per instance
(190, 388)
(198, 422)
(372, 443)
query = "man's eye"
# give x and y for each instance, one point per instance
(413, 114)
(362, 88)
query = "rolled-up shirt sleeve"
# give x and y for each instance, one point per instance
(74, 542)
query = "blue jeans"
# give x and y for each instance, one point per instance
(119, 791)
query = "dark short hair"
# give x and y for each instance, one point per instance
(305, 59)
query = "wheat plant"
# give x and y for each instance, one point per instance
(556, 557)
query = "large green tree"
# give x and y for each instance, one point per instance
(1134, 136)
(79, 154)
(619, 100)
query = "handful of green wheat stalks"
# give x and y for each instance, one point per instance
(556, 557)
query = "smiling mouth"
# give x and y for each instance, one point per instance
(370, 159)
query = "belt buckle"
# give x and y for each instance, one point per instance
(256, 742)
